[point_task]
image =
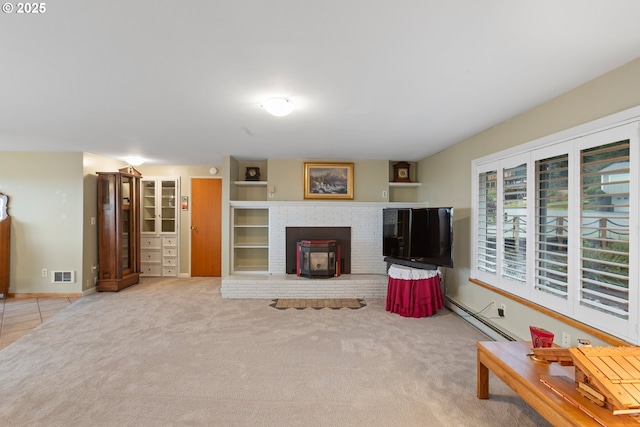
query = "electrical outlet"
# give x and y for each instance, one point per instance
(566, 340)
(384, 194)
(503, 307)
(45, 273)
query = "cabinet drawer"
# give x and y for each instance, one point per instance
(169, 261)
(169, 271)
(169, 252)
(169, 241)
(150, 256)
(150, 269)
(149, 242)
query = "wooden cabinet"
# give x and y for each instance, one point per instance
(118, 229)
(5, 245)
(159, 226)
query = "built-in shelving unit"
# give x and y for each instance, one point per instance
(159, 228)
(403, 191)
(243, 189)
(250, 239)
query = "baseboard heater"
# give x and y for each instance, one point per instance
(479, 322)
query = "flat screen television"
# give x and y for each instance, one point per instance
(419, 235)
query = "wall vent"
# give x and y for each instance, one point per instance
(63, 277)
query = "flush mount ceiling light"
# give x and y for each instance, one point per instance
(134, 161)
(278, 106)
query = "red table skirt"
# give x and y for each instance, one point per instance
(414, 298)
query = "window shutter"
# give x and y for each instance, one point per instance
(487, 221)
(552, 226)
(604, 209)
(514, 225)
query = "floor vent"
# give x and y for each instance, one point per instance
(480, 322)
(63, 277)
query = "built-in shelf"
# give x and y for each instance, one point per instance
(405, 184)
(251, 183)
(250, 239)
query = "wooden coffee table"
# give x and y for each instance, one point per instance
(510, 362)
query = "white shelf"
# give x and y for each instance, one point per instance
(405, 184)
(251, 183)
(252, 269)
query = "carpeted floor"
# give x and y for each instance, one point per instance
(172, 352)
(317, 304)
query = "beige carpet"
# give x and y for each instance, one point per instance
(174, 353)
(317, 304)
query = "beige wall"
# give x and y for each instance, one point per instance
(287, 176)
(448, 178)
(46, 206)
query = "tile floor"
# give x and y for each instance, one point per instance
(18, 316)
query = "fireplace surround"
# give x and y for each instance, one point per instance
(367, 270)
(341, 235)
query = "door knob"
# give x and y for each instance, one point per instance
(193, 227)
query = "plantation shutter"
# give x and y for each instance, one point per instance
(514, 223)
(552, 226)
(487, 220)
(604, 208)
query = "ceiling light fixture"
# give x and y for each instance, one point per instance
(134, 161)
(278, 106)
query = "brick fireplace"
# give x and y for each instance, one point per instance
(367, 269)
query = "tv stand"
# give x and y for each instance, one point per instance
(409, 263)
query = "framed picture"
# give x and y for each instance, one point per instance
(185, 203)
(328, 180)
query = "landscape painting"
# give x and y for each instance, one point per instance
(328, 180)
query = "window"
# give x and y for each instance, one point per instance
(514, 223)
(567, 236)
(604, 229)
(552, 225)
(486, 237)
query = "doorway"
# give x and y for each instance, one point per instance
(206, 227)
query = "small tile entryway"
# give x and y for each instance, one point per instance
(18, 316)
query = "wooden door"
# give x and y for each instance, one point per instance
(206, 227)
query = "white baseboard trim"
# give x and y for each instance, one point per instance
(484, 325)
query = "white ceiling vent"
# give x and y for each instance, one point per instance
(63, 277)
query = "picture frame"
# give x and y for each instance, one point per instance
(328, 181)
(184, 203)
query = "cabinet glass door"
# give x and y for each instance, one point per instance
(149, 206)
(169, 204)
(127, 247)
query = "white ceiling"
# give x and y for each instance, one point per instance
(181, 82)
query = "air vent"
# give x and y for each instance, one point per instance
(63, 276)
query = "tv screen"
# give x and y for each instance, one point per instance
(421, 235)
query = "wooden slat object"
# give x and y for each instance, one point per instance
(554, 354)
(612, 371)
(565, 387)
